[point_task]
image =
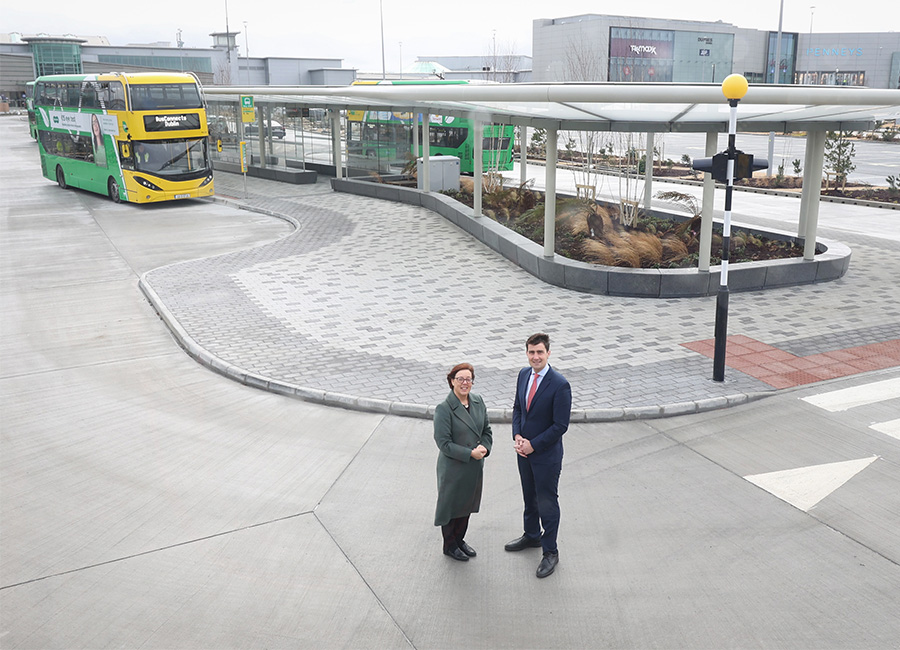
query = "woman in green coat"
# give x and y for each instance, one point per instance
(463, 435)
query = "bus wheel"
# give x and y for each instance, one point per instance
(113, 188)
(61, 178)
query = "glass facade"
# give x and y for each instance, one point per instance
(702, 57)
(645, 55)
(641, 55)
(177, 63)
(787, 65)
(58, 57)
(836, 78)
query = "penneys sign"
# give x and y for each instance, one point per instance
(834, 51)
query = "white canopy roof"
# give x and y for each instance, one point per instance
(658, 107)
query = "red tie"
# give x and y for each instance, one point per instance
(534, 383)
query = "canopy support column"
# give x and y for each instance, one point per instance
(648, 171)
(478, 167)
(336, 154)
(807, 185)
(262, 133)
(426, 151)
(523, 155)
(815, 159)
(550, 198)
(706, 214)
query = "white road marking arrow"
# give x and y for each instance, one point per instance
(891, 428)
(804, 487)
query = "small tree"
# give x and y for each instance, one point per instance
(797, 167)
(539, 141)
(893, 185)
(839, 154)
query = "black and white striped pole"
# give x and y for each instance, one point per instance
(734, 88)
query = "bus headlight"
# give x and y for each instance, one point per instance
(145, 183)
(207, 180)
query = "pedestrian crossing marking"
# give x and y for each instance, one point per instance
(847, 398)
(890, 428)
(805, 487)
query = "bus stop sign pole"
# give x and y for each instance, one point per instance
(734, 88)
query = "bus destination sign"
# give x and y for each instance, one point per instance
(172, 122)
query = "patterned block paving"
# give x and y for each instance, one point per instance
(376, 299)
(782, 369)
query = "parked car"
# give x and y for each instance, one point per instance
(277, 129)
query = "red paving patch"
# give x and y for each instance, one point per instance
(782, 369)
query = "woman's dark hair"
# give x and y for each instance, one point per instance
(455, 369)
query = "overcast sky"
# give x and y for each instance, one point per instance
(350, 29)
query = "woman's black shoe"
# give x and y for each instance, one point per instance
(456, 554)
(468, 550)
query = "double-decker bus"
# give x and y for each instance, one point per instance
(139, 137)
(384, 139)
(29, 109)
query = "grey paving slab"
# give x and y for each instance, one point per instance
(169, 478)
(656, 542)
(226, 591)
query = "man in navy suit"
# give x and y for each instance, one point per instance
(541, 413)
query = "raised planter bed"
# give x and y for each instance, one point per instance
(830, 263)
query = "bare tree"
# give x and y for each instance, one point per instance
(585, 63)
(501, 62)
(223, 74)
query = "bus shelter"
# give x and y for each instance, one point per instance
(649, 109)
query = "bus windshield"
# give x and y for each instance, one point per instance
(171, 157)
(151, 97)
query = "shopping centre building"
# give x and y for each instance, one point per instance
(595, 47)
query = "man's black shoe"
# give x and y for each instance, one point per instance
(468, 550)
(522, 543)
(456, 554)
(547, 565)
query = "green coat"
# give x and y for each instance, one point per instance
(459, 476)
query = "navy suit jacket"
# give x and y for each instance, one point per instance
(548, 419)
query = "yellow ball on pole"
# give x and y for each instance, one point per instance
(734, 86)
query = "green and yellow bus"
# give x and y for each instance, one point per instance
(137, 137)
(384, 139)
(29, 109)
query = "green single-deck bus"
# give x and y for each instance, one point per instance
(137, 137)
(384, 139)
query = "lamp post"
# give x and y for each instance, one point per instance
(381, 15)
(734, 88)
(247, 52)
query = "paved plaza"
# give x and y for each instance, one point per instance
(389, 296)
